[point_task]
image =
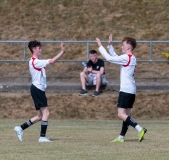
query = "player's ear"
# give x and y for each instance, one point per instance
(128, 48)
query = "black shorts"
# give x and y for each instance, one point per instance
(39, 97)
(125, 100)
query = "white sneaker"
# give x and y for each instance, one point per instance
(19, 132)
(44, 139)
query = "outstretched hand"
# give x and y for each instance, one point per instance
(98, 42)
(110, 40)
(62, 46)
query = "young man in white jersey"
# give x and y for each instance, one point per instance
(127, 62)
(37, 89)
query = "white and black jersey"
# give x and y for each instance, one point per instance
(127, 64)
(38, 73)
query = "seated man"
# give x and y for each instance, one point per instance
(93, 74)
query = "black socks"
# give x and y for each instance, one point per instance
(130, 121)
(44, 125)
(124, 129)
(26, 124)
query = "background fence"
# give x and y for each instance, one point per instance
(87, 44)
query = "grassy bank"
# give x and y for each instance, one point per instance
(148, 105)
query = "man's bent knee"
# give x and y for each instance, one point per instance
(39, 118)
(82, 74)
(98, 75)
(120, 116)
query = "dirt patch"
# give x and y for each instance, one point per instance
(148, 105)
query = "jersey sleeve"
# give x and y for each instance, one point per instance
(111, 50)
(41, 63)
(102, 64)
(122, 60)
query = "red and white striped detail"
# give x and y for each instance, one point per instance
(129, 55)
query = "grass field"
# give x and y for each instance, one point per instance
(84, 140)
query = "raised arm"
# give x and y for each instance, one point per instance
(98, 42)
(123, 59)
(110, 47)
(110, 40)
(58, 56)
(104, 52)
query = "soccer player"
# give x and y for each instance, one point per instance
(127, 62)
(37, 69)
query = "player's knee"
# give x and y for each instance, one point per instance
(39, 118)
(47, 113)
(120, 115)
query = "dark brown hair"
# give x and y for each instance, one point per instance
(93, 52)
(33, 44)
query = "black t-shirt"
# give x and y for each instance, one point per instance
(96, 66)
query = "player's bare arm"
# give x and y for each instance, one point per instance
(57, 57)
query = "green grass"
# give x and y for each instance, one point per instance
(84, 140)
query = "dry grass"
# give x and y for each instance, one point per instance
(148, 105)
(84, 140)
(83, 20)
(76, 19)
